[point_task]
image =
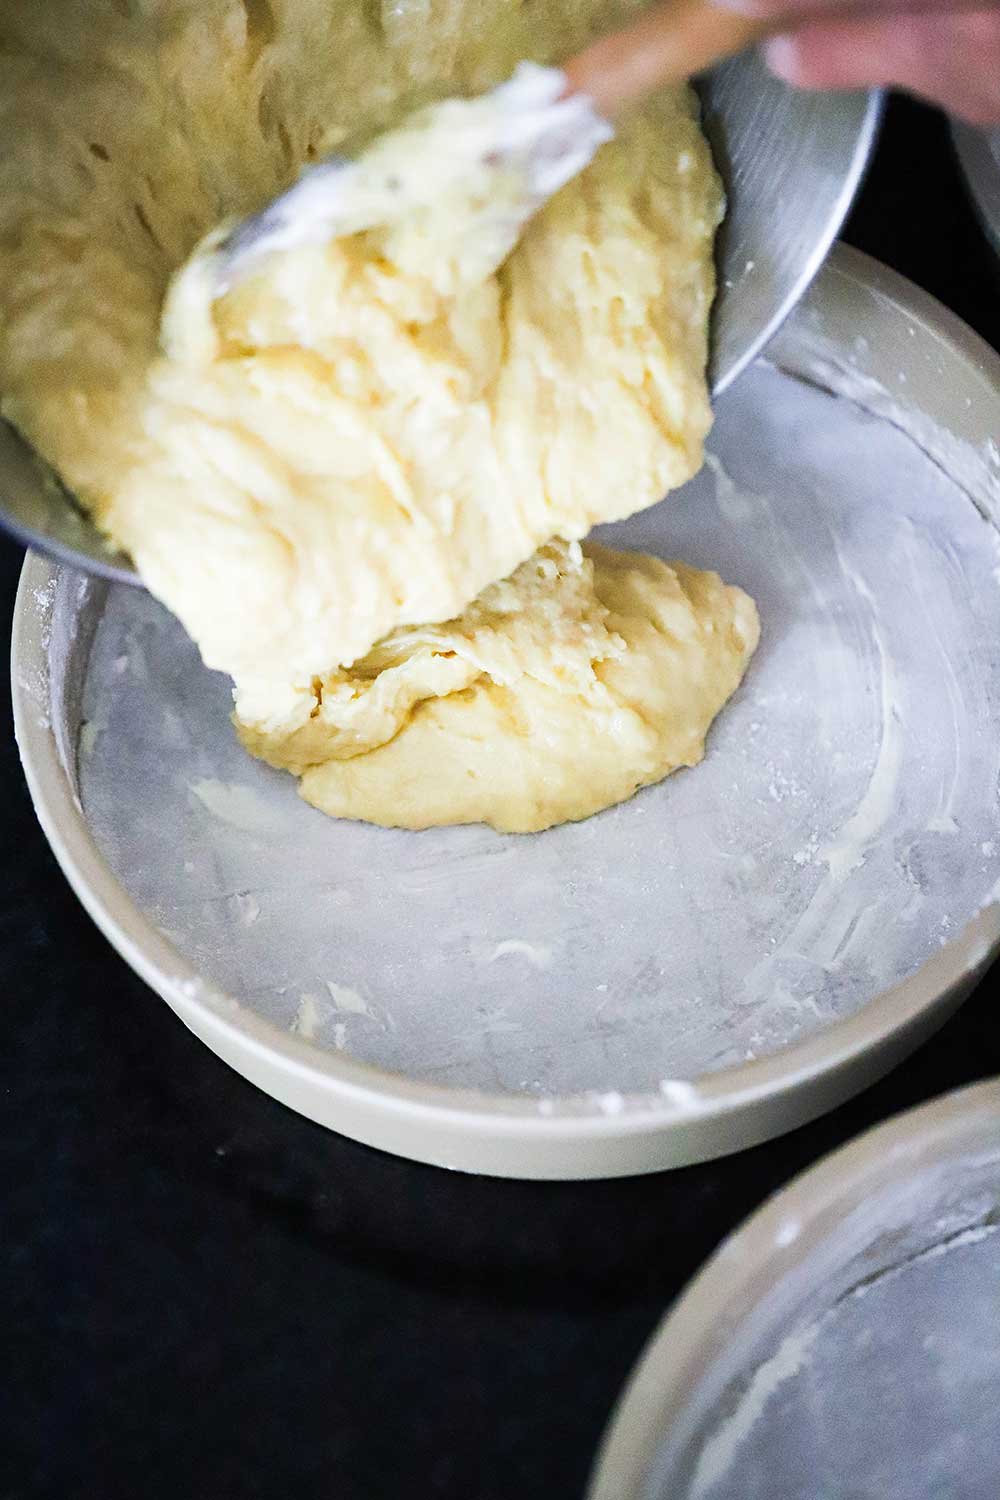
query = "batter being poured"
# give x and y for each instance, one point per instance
(324, 470)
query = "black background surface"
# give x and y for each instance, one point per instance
(210, 1297)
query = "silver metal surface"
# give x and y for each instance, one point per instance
(37, 510)
(721, 958)
(843, 1341)
(979, 153)
(791, 163)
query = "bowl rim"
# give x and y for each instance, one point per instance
(578, 1136)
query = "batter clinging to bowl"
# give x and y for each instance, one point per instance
(321, 470)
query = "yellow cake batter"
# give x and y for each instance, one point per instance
(586, 675)
(363, 435)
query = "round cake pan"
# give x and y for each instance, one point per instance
(844, 1341)
(712, 963)
(979, 154)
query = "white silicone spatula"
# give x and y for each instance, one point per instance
(543, 124)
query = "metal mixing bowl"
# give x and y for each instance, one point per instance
(979, 155)
(791, 163)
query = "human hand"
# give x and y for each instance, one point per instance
(944, 50)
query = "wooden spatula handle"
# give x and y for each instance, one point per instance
(668, 44)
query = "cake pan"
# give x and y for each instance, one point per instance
(979, 154)
(843, 1341)
(714, 962)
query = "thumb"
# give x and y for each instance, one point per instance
(952, 59)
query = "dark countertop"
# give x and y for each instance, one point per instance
(211, 1297)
